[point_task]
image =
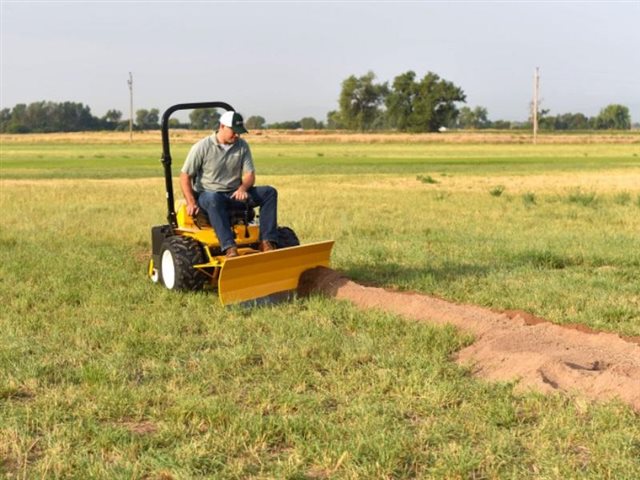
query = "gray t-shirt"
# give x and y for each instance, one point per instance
(214, 169)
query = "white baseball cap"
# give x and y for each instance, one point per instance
(233, 120)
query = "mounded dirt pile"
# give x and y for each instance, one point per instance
(509, 345)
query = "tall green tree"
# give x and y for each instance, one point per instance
(255, 122)
(111, 119)
(74, 117)
(422, 106)
(42, 117)
(614, 116)
(434, 105)
(473, 118)
(401, 101)
(334, 121)
(360, 101)
(204, 119)
(18, 122)
(309, 123)
(577, 121)
(5, 118)
(112, 116)
(148, 119)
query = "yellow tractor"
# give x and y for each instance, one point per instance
(186, 253)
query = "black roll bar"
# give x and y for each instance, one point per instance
(166, 153)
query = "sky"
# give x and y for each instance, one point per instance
(286, 60)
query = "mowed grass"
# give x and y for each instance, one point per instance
(104, 375)
(64, 160)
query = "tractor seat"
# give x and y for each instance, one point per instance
(237, 215)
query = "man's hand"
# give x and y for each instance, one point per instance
(240, 194)
(192, 209)
(187, 191)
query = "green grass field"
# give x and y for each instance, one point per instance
(105, 375)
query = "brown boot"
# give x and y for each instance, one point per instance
(266, 246)
(231, 252)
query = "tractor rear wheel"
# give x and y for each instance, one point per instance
(179, 255)
(287, 238)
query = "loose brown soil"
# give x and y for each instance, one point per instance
(139, 427)
(510, 345)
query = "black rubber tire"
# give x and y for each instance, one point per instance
(287, 238)
(179, 255)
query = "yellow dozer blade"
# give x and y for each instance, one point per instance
(249, 277)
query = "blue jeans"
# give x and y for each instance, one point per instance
(218, 204)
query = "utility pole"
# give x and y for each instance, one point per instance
(130, 82)
(536, 91)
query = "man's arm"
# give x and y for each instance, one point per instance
(248, 179)
(187, 191)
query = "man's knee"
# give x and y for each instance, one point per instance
(212, 200)
(263, 194)
(270, 192)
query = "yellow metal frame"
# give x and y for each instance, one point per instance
(207, 236)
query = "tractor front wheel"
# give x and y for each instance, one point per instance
(153, 271)
(179, 255)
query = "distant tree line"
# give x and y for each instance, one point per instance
(612, 117)
(431, 103)
(46, 117)
(409, 104)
